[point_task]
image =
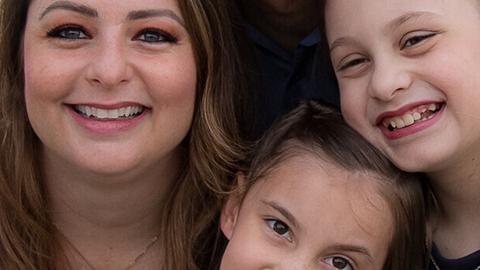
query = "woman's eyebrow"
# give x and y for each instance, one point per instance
(149, 13)
(67, 5)
(133, 15)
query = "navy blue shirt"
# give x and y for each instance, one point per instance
(288, 77)
(469, 262)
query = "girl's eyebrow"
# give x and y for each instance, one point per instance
(351, 248)
(390, 27)
(399, 21)
(276, 206)
(341, 42)
(90, 12)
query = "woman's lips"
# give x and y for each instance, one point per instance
(108, 119)
(120, 113)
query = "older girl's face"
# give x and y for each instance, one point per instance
(109, 85)
(408, 77)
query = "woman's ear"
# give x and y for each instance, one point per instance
(231, 208)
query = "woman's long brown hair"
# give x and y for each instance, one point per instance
(212, 148)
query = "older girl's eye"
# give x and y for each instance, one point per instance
(414, 39)
(352, 63)
(154, 36)
(279, 228)
(338, 262)
(69, 32)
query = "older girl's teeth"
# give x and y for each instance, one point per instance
(399, 122)
(408, 119)
(421, 113)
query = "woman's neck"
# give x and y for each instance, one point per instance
(457, 190)
(109, 219)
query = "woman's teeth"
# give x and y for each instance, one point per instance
(113, 114)
(419, 114)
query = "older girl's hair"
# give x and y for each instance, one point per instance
(211, 149)
(321, 131)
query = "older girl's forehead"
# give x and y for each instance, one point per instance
(384, 10)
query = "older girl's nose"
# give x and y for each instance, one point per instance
(388, 78)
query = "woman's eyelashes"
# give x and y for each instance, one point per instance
(339, 262)
(72, 32)
(279, 228)
(154, 35)
(68, 32)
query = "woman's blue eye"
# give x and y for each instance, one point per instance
(280, 228)
(154, 36)
(338, 262)
(68, 32)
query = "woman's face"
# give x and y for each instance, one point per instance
(109, 85)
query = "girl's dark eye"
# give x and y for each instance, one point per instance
(68, 32)
(414, 40)
(154, 36)
(280, 228)
(352, 63)
(338, 262)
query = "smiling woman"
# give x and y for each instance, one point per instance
(119, 123)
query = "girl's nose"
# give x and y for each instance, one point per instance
(388, 78)
(296, 263)
(109, 66)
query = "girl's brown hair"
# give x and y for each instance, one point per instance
(321, 131)
(27, 238)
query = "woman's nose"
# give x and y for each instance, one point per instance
(388, 78)
(109, 65)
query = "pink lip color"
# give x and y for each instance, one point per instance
(111, 106)
(402, 110)
(415, 128)
(106, 127)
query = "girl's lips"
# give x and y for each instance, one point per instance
(403, 110)
(413, 128)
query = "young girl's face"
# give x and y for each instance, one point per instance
(408, 76)
(308, 214)
(109, 85)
